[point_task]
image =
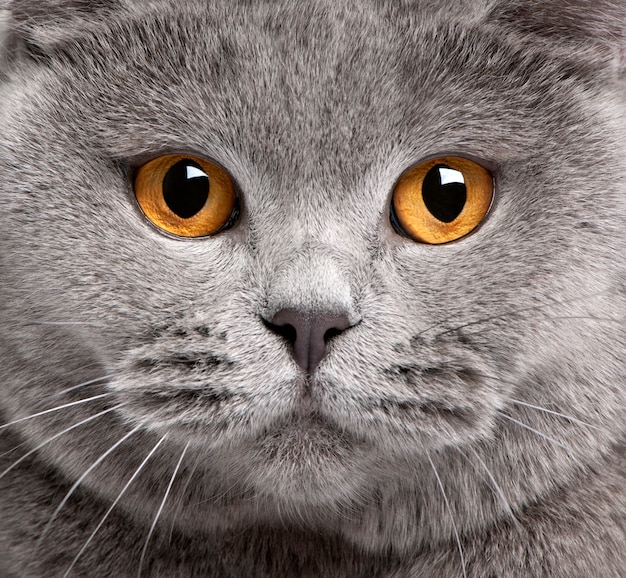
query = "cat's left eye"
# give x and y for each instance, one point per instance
(186, 195)
(442, 199)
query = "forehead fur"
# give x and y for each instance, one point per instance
(313, 92)
(601, 22)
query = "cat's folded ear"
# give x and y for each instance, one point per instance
(597, 27)
(43, 24)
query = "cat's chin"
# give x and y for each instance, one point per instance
(300, 460)
(307, 460)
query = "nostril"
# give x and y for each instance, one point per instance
(332, 332)
(308, 333)
(287, 331)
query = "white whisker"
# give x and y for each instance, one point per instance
(158, 514)
(80, 480)
(90, 382)
(495, 487)
(119, 497)
(591, 317)
(445, 499)
(17, 447)
(539, 408)
(546, 410)
(178, 506)
(537, 432)
(512, 312)
(58, 435)
(88, 323)
(59, 407)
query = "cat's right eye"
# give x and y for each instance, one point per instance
(185, 195)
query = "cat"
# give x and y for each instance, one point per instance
(313, 289)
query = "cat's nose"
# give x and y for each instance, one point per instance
(308, 333)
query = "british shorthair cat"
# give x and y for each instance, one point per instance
(313, 289)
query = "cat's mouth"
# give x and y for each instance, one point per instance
(194, 398)
(216, 400)
(300, 422)
(191, 410)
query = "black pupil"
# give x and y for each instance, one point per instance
(444, 192)
(185, 188)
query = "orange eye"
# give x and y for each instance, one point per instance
(442, 199)
(185, 195)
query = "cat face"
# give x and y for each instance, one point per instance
(435, 349)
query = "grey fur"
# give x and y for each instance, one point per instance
(315, 108)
